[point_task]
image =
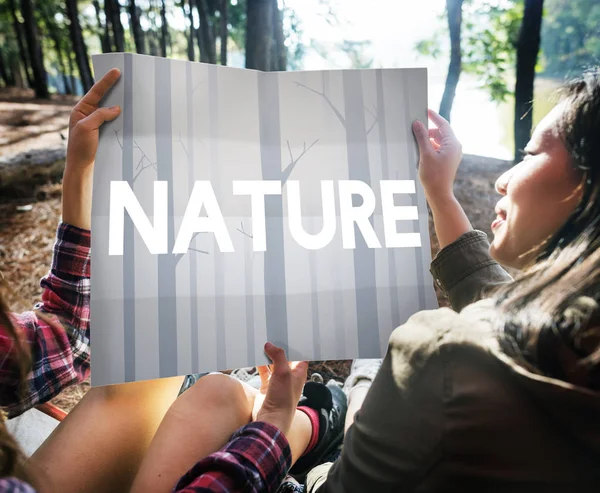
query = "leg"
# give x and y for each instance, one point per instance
(108, 431)
(355, 401)
(198, 424)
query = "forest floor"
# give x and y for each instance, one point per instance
(27, 227)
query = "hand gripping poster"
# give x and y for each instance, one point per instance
(233, 207)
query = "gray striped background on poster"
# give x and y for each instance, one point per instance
(164, 315)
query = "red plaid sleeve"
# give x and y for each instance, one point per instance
(255, 460)
(56, 332)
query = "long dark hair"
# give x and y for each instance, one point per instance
(11, 458)
(555, 301)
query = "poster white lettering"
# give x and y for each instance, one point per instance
(233, 206)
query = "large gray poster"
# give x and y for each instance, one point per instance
(232, 207)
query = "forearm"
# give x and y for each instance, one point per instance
(449, 219)
(77, 197)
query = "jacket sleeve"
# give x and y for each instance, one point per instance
(255, 460)
(56, 332)
(396, 438)
(466, 272)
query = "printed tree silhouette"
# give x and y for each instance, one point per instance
(353, 122)
(249, 279)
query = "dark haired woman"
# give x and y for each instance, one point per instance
(502, 394)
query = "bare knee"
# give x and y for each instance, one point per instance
(222, 392)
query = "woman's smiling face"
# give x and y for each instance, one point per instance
(539, 195)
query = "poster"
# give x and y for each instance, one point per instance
(232, 207)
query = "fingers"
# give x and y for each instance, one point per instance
(277, 356)
(98, 117)
(422, 137)
(434, 133)
(100, 88)
(442, 124)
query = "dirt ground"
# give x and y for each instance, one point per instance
(27, 228)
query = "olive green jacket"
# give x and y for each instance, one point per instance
(448, 411)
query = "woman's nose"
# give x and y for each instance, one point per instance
(502, 182)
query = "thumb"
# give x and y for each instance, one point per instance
(422, 137)
(98, 117)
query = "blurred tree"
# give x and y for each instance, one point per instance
(189, 13)
(112, 8)
(206, 31)
(355, 50)
(103, 32)
(224, 15)
(34, 48)
(136, 29)
(259, 29)
(20, 42)
(488, 40)
(454, 13)
(5, 73)
(570, 36)
(79, 46)
(528, 47)
(279, 50)
(164, 29)
(56, 35)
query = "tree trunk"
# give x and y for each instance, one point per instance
(208, 54)
(164, 29)
(20, 42)
(103, 33)
(136, 29)
(54, 33)
(16, 71)
(224, 31)
(189, 13)
(79, 47)
(72, 73)
(454, 8)
(279, 51)
(36, 55)
(258, 34)
(113, 12)
(5, 73)
(528, 47)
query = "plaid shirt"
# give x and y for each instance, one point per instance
(57, 332)
(256, 459)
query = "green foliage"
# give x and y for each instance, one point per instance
(355, 51)
(489, 34)
(570, 36)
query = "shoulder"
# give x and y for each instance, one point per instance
(424, 335)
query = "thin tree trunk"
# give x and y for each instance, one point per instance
(528, 47)
(454, 8)
(136, 29)
(208, 55)
(103, 33)
(224, 31)
(191, 49)
(54, 33)
(16, 71)
(259, 34)
(79, 46)
(20, 42)
(164, 29)
(113, 12)
(36, 55)
(279, 51)
(72, 73)
(5, 73)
